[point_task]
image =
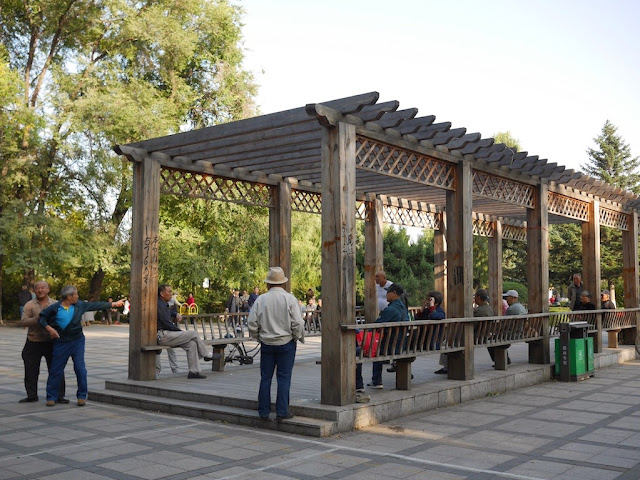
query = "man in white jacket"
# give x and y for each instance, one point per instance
(275, 321)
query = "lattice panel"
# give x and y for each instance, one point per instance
(509, 232)
(307, 202)
(397, 162)
(613, 219)
(361, 211)
(499, 188)
(568, 207)
(176, 182)
(482, 228)
(410, 218)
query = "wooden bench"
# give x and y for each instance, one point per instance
(215, 329)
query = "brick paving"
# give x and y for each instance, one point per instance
(588, 430)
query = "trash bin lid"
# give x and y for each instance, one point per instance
(578, 325)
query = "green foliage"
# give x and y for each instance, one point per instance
(508, 139)
(409, 264)
(565, 254)
(480, 262)
(612, 162)
(521, 288)
(514, 261)
(78, 77)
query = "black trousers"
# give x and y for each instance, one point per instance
(32, 354)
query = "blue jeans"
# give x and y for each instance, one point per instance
(278, 358)
(376, 377)
(62, 351)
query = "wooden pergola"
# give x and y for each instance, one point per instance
(357, 158)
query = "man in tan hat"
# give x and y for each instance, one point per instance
(275, 321)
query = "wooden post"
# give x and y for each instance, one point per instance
(440, 259)
(338, 379)
(280, 231)
(591, 253)
(591, 263)
(144, 268)
(495, 269)
(538, 268)
(630, 267)
(459, 235)
(373, 241)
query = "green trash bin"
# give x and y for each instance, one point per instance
(574, 352)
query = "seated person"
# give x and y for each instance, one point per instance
(585, 301)
(432, 310)
(170, 334)
(396, 311)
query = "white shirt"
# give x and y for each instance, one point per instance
(275, 318)
(382, 295)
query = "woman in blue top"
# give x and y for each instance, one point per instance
(63, 321)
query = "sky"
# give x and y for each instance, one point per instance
(549, 72)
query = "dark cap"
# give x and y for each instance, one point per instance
(394, 287)
(605, 292)
(482, 294)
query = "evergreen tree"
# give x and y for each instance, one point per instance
(612, 160)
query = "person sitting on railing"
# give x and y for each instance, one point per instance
(396, 311)
(481, 298)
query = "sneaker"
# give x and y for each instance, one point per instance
(50, 403)
(81, 402)
(62, 400)
(360, 390)
(442, 371)
(379, 386)
(196, 375)
(28, 400)
(391, 369)
(288, 416)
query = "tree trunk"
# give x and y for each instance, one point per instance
(1, 273)
(95, 286)
(119, 211)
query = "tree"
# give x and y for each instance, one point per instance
(508, 139)
(98, 73)
(612, 160)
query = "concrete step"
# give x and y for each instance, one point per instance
(312, 427)
(163, 390)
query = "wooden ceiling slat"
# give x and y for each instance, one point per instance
(412, 125)
(265, 145)
(462, 142)
(240, 127)
(371, 113)
(475, 147)
(445, 137)
(282, 135)
(485, 153)
(353, 104)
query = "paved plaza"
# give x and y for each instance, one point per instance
(588, 430)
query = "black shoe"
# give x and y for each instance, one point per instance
(28, 400)
(442, 371)
(196, 375)
(391, 369)
(285, 417)
(62, 400)
(508, 361)
(215, 356)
